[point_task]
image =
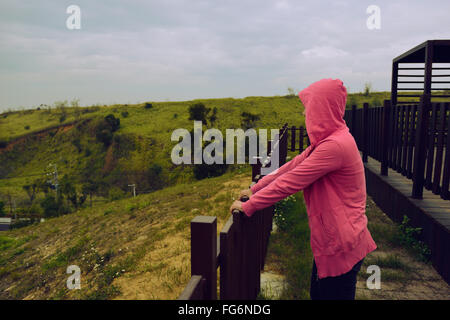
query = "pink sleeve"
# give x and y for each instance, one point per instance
(283, 169)
(326, 157)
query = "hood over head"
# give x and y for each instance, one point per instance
(324, 103)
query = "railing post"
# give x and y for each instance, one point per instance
(420, 152)
(240, 247)
(385, 137)
(293, 138)
(283, 147)
(204, 252)
(300, 142)
(365, 131)
(353, 120)
(256, 169)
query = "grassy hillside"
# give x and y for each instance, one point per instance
(126, 247)
(135, 248)
(35, 142)
(141, 142)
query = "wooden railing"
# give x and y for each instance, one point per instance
(412, 139)
(239, 250)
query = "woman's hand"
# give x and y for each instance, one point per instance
(245, 193)
(237, 205)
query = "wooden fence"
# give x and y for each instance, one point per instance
(239, 250)
(412, 139)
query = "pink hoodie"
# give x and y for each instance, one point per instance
(331, 174)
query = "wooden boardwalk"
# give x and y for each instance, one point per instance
(392, 194)
(431, 203)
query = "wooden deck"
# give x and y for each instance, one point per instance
(392, 193)
(431, 203)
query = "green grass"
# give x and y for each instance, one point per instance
(63, 259)
(390, 261)
(108, 242)
(289, 247)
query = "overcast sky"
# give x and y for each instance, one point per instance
(134, 51)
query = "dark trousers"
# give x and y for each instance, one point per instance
(342, 287)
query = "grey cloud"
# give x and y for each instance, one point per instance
(131, 51)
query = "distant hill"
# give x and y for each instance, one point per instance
(139, 152)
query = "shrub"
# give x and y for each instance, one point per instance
(376, 102)
(113, 122)
(76, 142)
(198, 112)
(351, 101)
(27, 127)
(50, 206)
(202, 171)
(115, 193)
(282, 217)
(90, 109)
(154, 176)
(105, 128)
(123, 145)
(148, 105)
(105, 136)
(124, 114)
(408, 236)
(22, 223)
(249, 120)
(213, 117)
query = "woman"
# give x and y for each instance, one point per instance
(331, 174)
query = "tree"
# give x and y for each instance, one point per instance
(291, 92)
(77, 143)
(69, 190)
(2, 208)
(61, 106)
(105, 129)
(198, 112)
(31, 190)
(367, 89)
(105, 136)
(89, 188)
(213, 117)
(155, 178)
(113, 122)
(76, 108)
(249, 120)
(43, 185)
(50, 206)
(202, 171)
